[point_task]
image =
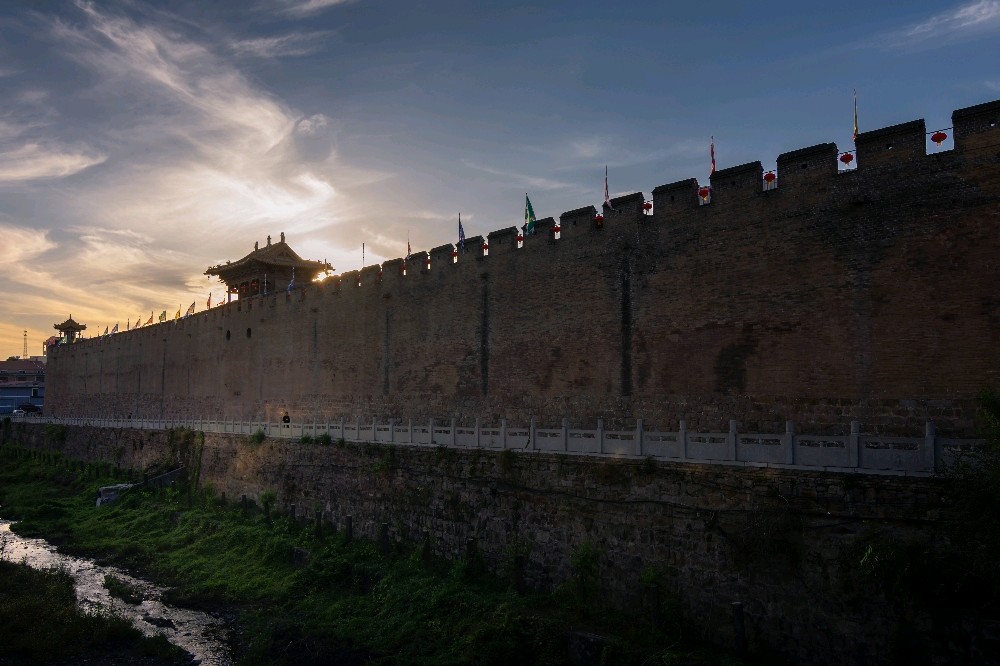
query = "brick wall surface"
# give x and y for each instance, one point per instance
(868, 294)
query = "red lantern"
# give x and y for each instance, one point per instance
(938, 137)
(598, 218)
(703, 192)
(769, 177)
(486, 247)
(454, 253)
(556, 228)
(520, 237)
(847, 158)
(647, 206)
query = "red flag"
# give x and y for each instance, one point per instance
(855, 115)
(711, 150)
(150, 319)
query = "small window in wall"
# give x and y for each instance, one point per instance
(248, 334)
(34, 393)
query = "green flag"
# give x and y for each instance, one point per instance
(529, 216)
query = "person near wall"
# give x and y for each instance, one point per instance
(285, 419)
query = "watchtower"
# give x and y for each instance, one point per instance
(274, 267)
(69, 330)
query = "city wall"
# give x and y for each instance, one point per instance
(786, 544)
(868, 294)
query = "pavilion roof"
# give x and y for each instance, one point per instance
(70, 325)
(278, 255)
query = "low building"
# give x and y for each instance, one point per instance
(22, 382)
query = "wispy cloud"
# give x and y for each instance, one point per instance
(993, 85)
(21, 246)
(968, 20)
(306, 7)
(280, 46)
(532, 182)
(31, 161)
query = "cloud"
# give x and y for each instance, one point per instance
(21, 246)
(309, 126)
(32, 161)
(993, 85)
(306, 7)
(521, 179)
(971, 19)
(281, 46)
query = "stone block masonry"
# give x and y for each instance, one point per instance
(784, 543)
(865, 295)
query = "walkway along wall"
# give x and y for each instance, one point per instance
(784, 543)
(868, 295)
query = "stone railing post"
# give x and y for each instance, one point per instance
(638, 436)
(454, 440)
(477, 434)
(531, 434)
(430, 428)
(503, 432)
(731, 438)
(600, 435)
(392, 431)
(789, 442)
(682, 438)
(374, 431)
(357, 430)
(409, 430)
(341, 428)
(854, 445)
(565, 434)
(930, 447)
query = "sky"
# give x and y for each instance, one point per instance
(143, 141)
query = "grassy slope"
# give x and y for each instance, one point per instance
(349, 602)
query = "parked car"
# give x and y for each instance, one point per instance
(29, 408)
(17, 412)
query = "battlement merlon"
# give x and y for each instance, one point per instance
(625, 207)
(971, 123)
(672, 198)
(814, 166)
(441, 255)
(891, 145)
(371, 275)
(579, 220)
(737, 183)
(503, 241)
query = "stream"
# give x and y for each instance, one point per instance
(200, 634)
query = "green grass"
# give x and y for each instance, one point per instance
(348, 603)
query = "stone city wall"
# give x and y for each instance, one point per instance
(868, 294)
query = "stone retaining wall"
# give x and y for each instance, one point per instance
(785, 543)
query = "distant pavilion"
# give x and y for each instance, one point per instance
(268, 269)
(70, 330)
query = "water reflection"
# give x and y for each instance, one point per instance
(201, 634)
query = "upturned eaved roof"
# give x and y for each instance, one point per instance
(278, 255)
(70, 325)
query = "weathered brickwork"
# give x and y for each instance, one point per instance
(869, 294)
(784, 543)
